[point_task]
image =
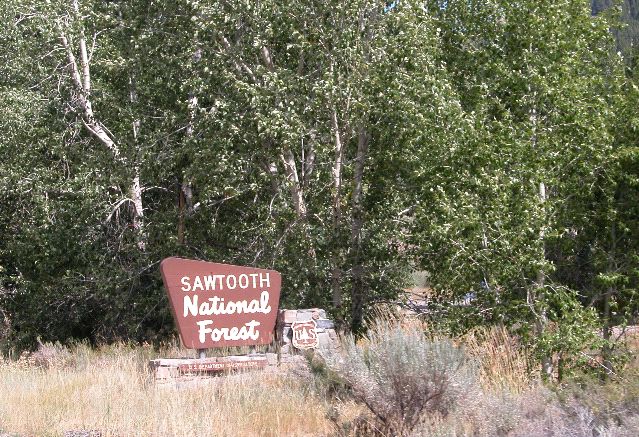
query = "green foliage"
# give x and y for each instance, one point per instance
(574, 330)
(506, 214)
(213, 99)
(492, 144)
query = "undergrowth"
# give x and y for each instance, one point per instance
(398, 380)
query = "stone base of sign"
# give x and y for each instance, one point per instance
(283, 353)
(325, 330)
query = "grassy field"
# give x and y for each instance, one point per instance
(109, 391)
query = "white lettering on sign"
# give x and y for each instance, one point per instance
(216, 306)
(221, 305)
(217, 282)
(231, 279)
(223, 365)
(246, 332)
(243, 281)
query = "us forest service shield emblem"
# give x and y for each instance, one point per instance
(304, 334)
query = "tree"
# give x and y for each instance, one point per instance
(79, 258)
(533, 77)
(307, 114)
(245, 133)
(605, 259)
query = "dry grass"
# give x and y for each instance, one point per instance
(503, 362)
(110, 390)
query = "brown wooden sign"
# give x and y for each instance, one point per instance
(221, 305)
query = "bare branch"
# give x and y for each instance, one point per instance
(309, 164)
(82, 85)
(93, 44)
(267, 59)
(297, 194)
(239, 65)
(300, 63)
(73, 65)
(117, 206)
(84, 58)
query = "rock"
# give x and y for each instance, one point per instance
(287, 334)
(290, 316)
(272, 359)
(304, 316)
(325, 324)
(324, 340)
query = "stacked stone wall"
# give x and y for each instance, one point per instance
(325, 330)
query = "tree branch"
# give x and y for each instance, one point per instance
(297, 194)
(239, 65)
(82, 85)
(267, 59)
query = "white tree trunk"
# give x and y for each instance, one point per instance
(82, 86)
(185, 188)
(136, 188)
(336, 271)
(81, 81)
(297, 192)
(535, 292)
(138, 210)
(542, 318)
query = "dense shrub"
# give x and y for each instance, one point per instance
(399, 374)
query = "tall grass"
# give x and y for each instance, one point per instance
(380, 387)
(110, 390)
(504, 363)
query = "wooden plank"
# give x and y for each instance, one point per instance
(222, 366)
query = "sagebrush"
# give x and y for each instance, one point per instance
(399, 374)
